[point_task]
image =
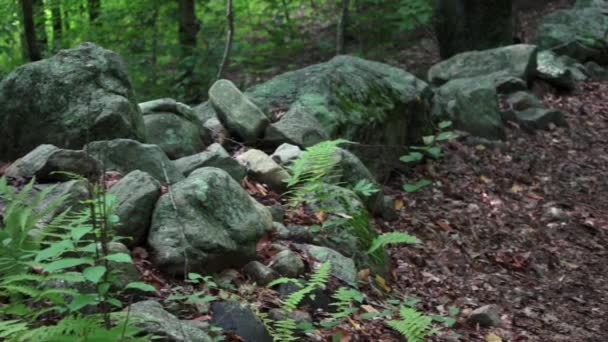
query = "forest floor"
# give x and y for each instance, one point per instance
(524, 227)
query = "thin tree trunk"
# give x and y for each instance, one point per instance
(188, 26)
(342, 21)
(94, 10)
(29, 30)
(154, 57)
(57, 26)
(188, 30)
(229, 37)
(40, 25)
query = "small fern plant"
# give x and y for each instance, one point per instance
(285, 329)
(414, 325)
(313, 168)
(70, 250)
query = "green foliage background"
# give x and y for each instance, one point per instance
(271, 36)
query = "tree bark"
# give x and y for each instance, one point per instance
(188, 30)
(188, 26)
(464, 25)
(57, 24)
(94, 10)
(29, 30)
(229, 37)
(40, 25)
(342, 22)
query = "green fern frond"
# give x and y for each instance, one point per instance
(414, 325)
(392, 237)
(314, 166)
(285, 330)
(317, 280)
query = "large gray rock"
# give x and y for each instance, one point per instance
(472, 105)
(174, 127)
(214, 156)
(236, 111)
(236, 318)
(73, 192)
(44, 160)
(136, 195)
(155, 320)
(351, 98)
(125, 155)
(465, 25)
(208, 220)
(79, 95)
(287, 263)
(515, 60)
(561, 71)
(342, 267)
(297, 126)
(579, 33)
(175, 135)
(264, 169)
(286, 153)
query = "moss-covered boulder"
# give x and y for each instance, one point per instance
(579, 32)
(126, 155)
(515, 60)
(49, 163)
(174, 127)
(206, 223)
(472, 104)
(346, 97)
(79, 95)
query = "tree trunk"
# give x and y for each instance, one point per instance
(29, 30)
(40, 25)
(229, 37)
(57, 25)
(188, 26)
(94, 10)
(188, 30)
(342, 21)
(464, 25)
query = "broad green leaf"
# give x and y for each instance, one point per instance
(54, 250)
(66, 263)
(445, 124)
(412, 157)
(447, 136)
(434, 152)
(417, 186)
(78, 232)
(82, 300)
(138, 285)
(94, 273)
(119, 257)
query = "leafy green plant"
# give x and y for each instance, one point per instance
(199, 296)
(65, 268)
(347, 302)
(19, 220)
(314, 167)
(414, 325)
(285, 329)
(431, 149)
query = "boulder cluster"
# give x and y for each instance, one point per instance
(179, 187)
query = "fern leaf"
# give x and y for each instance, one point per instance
(393, 237)
(415, 326)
